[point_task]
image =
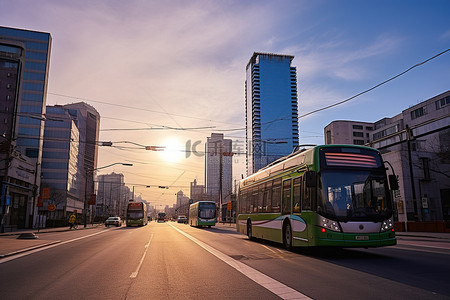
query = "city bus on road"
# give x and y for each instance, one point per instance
(330, 195)
(161, 217)
(136, 214)
(202, 213)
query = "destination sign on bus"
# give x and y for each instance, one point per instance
(135, 205)
(352, 159)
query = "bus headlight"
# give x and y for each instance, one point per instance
(387, 225)
(329, 224)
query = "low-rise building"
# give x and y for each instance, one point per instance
(416, 143)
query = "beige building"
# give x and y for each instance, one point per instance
(416, 143)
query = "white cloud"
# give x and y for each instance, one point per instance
(340, 58)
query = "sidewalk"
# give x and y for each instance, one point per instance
(399, 234)
(23, 240)
(434, 235)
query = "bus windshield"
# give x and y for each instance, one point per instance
(207, 210)
(353, 195)
(135, 214)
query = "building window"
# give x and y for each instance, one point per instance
(418, 112)
(386, 132)
(442, 102)
(357, 127)
(328, 137)
(358, 134)
(426, 167)
(369, 128)
(358, 142)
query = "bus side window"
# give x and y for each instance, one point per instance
(254, 200)
(276, 195)
(287, 197)
(268, 193)
(306, 199)
(260, 198)
(297, 195)
(248, 201)
(243, 202)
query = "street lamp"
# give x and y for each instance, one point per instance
(85, 189)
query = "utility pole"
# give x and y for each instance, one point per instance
(34, 194)
(220, 178)
(409, 137)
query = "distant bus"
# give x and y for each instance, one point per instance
(161, 217)
(136, 214)
(330, 195)
(202, 213)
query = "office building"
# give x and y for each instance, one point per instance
(87, 120)
(15, 180)
(69, 161)
(271, 107)
(198, 192)
(24, 60)
(112, 196)
(348, 132)
(416, 143)
(61, 165)
(218, 168)
(33, 88)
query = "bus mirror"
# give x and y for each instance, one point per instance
(393, 182)
(310, 178)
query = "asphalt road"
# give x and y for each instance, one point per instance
(176, 261)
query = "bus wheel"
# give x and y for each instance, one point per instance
(249, 230)
(287, 236)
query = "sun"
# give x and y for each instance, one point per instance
(173, 151)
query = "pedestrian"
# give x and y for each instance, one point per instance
(72, 220)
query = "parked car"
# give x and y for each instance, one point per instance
(113, 221)
(182, 219)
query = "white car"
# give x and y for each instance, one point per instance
(113, 221)
(182, 219)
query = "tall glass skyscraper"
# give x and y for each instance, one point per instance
(33, 88)
(271, 106)
(25, 57)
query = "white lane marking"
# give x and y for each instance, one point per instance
(135, 273)
(9, 258)
(276, 287)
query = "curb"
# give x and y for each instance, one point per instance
(422, 236)
(46, 230)
(28, 249)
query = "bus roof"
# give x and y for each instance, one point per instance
(302, 158)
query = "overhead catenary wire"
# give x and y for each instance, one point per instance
(242, 128)
(375, 86)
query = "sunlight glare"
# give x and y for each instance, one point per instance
(173, 151)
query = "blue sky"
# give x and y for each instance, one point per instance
(182, 64)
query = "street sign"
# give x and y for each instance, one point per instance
(424, 202)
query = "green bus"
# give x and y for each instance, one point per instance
(329, 195)
(136, 214)
(202, 213)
